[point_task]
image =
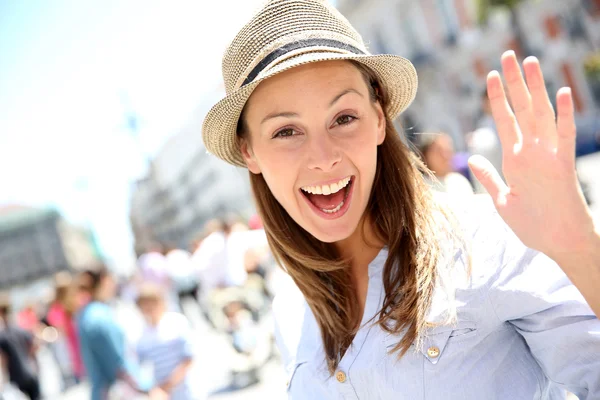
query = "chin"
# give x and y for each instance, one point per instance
(332, 234)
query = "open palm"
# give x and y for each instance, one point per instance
(541, 200)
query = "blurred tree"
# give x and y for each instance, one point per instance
(484, 7)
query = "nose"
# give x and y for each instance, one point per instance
(323, 153)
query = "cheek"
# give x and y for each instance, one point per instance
(280, 170)
(362, 150)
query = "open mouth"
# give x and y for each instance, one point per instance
(331, 199)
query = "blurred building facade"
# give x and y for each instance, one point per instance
(36, 243)
(453, 51)
(185, 188)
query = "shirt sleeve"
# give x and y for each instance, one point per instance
(533, 294)
(104, 342)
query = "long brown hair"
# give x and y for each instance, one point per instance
(402, 211)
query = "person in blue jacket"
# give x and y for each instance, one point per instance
(103, 340)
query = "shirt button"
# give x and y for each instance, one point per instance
(340, 376)
(433, 352)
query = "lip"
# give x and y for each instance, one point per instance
(329, 182)
(342, 210)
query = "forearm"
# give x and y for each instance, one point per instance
(177, 376)
(128, 378)
(583, 269)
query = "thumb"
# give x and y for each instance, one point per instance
(485, 173)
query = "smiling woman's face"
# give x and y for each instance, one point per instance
(313, 132)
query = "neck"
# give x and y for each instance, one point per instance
(156, 321)
(99, 298)
(361, 248)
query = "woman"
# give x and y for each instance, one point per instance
(103, 341)
(437, 152)
(399, 300)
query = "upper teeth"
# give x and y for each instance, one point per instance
(327, 189)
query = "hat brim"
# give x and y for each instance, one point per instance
(396, 74)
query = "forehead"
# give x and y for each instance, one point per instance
(310, 79)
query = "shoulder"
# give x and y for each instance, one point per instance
(95, 316)
(296, 329)
(472, 213)
(479, 226)
(498, 258)
(457, 184)
(489, 247)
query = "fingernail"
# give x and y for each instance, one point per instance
(530, 59)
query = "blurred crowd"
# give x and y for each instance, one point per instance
(450, 170)
(228, 274)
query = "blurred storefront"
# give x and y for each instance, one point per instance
(36, 243)
(185, 188)
(453, 49)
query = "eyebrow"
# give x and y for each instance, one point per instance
(288, 114)
(276, 115)
(345, 92)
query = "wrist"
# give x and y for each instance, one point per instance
(586, 256)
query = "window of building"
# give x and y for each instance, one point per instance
(592, 7)
(552, 26)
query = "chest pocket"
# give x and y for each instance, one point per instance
(440, 340)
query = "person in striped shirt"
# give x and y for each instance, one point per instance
(165, 344)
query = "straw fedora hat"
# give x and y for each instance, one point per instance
(285, 34)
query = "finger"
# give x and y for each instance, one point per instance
(490, 178)
(519, 94)
(506, 122)
(566, 130)
(542, 108)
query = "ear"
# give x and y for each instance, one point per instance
(249, 157)
(381, 123)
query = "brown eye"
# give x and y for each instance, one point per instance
(284, 133)
(344, 119)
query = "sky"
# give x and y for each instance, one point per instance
(70, 71)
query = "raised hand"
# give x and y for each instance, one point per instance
(541, 200)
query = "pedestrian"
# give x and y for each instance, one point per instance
(485, 140)
(154, 268)
(182, 273)
(437, 152)
(61, 316)
(165, 344)
(402, 295)
(153, 265)
(103, 340)
(18, 349)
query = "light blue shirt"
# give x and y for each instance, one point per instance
(522, 332)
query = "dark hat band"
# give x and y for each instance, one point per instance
(281, 51)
